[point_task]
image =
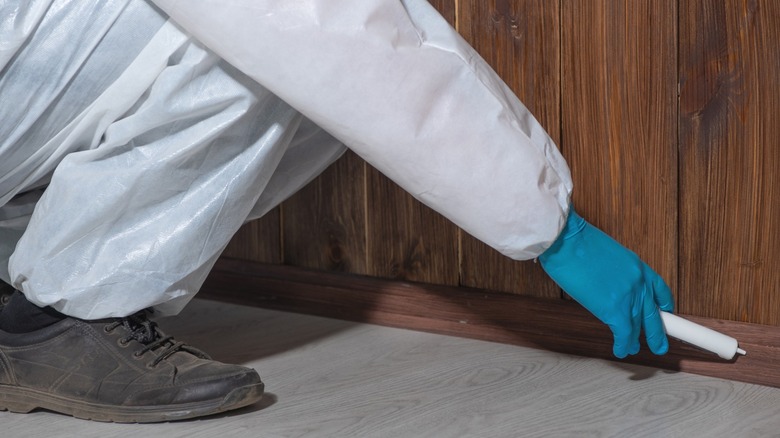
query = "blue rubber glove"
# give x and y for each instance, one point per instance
(612, 283)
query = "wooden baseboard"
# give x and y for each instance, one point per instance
(555, 325)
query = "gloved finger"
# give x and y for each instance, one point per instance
(636, 319)
(624, 340)
(661, 291)
(663, 295)
(654, 327)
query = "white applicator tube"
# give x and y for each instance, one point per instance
(700, 336)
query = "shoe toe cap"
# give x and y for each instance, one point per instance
(201, 386)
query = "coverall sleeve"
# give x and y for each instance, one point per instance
(394, 82)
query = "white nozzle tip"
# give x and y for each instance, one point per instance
(741, 351)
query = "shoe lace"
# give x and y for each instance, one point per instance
(145, 331)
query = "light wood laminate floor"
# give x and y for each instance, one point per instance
(330, 378)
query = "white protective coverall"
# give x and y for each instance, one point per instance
(156, 138)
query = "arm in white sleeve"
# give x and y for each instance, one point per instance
(394, 82)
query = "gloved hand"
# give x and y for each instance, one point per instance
(612, 283)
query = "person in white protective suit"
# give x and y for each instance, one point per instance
(138, 136)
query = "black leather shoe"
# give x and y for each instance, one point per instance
(121, 370)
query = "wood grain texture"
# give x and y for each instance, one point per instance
(619, 116)
(730, 159)
(330, 378)
(405, 239)
(520, 39)
(447, 9)
(554, 325)
(324, 224)
(258, 240)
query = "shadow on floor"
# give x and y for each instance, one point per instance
(234, 333)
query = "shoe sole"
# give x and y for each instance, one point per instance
(24, 400)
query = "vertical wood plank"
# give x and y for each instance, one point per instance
(323, 225)
(258, 240)
(730, 159)
(619, 115)
(520, 39)
(407, 240)
(447, 9)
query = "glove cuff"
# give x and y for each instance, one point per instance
(574, 224)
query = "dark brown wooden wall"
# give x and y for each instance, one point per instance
(668, 112)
